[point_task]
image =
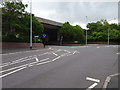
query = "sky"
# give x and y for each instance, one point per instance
(75, 11)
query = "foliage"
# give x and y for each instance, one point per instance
(72, 33)
(16, 22)
(99, 31)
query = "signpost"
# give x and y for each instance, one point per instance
(44, 36)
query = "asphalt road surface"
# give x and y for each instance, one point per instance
(60, 67)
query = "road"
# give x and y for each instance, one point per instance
(60, 67)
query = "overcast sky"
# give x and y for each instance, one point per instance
(75, 12)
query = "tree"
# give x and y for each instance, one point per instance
(65, 31)
(16, 22)
(72, 33)
(12, 12)
(99, 31)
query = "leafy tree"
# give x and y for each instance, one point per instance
(11, 13)
(99, 31)
(65, 31)
(72, 33)
(16, 22)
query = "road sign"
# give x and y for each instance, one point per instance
(36, 36)
(44, 35)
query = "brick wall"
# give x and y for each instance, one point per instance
(18, 45)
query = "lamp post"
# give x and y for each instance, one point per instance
(109, 33)
(86, 30)
(108, 36)
(31, 24)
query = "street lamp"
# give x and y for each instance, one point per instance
(86, 30)
(31, 24)
(109, 33)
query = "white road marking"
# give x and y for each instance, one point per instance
(115, 74)
(12, 72)
(37, 62)
(37, 59)
(92, 86)
(56, 58)
(44, 59)
(16, 61)
(67, 51)
(92, 79)
(75, 52)
(98, 47)
(23, 65)
(54, 54)
(65, 54)
(108, 80)
(21, 60)
(13, 68)
(43, 63)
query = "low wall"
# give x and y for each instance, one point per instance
(18, 45)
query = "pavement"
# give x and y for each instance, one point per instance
(85, 67)
(13, 50)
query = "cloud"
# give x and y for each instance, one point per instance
(75, 11)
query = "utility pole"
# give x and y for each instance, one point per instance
(108, 36)
(31, 24)
(119, 13)
(86, 30)
(109, 33)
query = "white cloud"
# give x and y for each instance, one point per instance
(74, 0)
(75, 12)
